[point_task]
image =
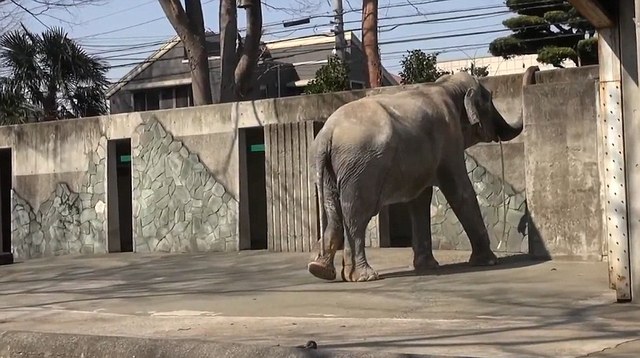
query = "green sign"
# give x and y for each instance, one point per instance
(257, 148)
(125, 158)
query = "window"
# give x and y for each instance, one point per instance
(163, 98)
(182, 96)
(153, 99)
(167, 98)
(139, 102)
(264, 91)
(146, 100)
(356, 85)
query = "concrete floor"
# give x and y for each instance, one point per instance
(519, 308)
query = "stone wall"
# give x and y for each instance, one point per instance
(447, 232)
(178, 205)
(67, 222)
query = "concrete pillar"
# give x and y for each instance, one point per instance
(619, 119)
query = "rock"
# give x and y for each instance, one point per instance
(218, 189)
(174, 163)
(149, 230)
(224, 231)
(75, 246)
(175, 146)
(216, 245)
(87, 249)
(202, 245)
(222, 212)
(198, 193)
(100, 206)
(478, 173)
(181, 194)
(470, 163)
(37, 237)
(87, 215)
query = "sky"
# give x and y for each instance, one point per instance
(124, 32)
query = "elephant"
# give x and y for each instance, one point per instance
(394, 148)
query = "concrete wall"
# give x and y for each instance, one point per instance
(561, 163)
(187, 166)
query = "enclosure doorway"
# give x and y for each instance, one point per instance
(256, 187)
(399, 225)
(119, 198)
(6, 175)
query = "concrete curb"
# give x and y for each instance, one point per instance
(36, 344)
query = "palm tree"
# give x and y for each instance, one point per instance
(49, 77)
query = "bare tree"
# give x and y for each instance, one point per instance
(370, 42)
(239, 56)
(12, 12)
(295, 7)
(189, 25)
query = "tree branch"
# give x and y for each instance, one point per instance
(191, 33)
(249, 59)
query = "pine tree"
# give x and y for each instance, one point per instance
(553, 29)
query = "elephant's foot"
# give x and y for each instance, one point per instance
(322, 267)
(359, 274)
(425, 263)
(483, 258)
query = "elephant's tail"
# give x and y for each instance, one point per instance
(321, 159)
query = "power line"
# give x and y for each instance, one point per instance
(390, 27)
(323, 15)
(403, 40)
(117, 12)
(442, 49)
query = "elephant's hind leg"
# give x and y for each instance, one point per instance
(323, 264)
(357, 210)
(458, 190)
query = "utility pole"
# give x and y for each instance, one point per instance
(338, 29)
(370, 42)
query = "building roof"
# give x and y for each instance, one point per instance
(270, 45)
(166, 47)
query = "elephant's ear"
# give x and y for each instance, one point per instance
(470, 104)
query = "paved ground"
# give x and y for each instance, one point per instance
(517, 309)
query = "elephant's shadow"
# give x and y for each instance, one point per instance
(504, 263)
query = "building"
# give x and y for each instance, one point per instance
(163, 80)
(498, 66)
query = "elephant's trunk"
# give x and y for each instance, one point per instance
(506, 131)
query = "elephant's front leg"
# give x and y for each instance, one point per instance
(420, 211)
(458, 190)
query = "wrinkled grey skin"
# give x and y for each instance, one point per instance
(393, 148)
